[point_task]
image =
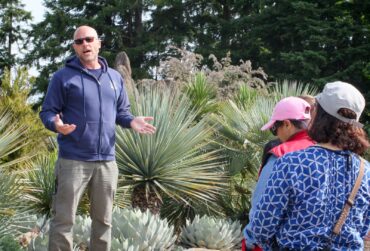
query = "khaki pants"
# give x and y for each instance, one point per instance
(72, 178)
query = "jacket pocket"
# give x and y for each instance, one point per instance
(108, 138)
(89, 140)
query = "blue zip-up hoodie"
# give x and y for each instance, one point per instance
(93, 105)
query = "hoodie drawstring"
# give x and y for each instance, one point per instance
(83, 93)
(114, 88)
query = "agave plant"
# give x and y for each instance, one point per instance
(211, 233)
(37, 237)
(81, 230)
(141, 231)
(173, 160)
(131, 230)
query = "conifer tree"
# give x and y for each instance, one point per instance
(13, 21)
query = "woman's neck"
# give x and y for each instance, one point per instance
(330, 146)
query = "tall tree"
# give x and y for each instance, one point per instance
(13, 21)
(310, 41)
(119, 23)
(306, 40)
(215, 24)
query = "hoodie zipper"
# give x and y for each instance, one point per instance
(100, 117)
(100, 109)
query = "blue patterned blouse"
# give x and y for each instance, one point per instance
(304, 197)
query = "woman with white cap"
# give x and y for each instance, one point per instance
(319, 198)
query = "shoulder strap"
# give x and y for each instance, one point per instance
(349, 203)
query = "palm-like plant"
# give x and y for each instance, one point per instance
(173, 160)
(11, 210)
(288, 88)
(238, 126)
(11, 139)
(241, 141)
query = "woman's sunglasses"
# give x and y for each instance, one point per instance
(275, 127)
(81, 40)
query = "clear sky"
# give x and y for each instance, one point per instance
(36, 8)
(37, 11)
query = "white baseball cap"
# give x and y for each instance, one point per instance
(337, 95)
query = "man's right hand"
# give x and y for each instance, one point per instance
(61, 127)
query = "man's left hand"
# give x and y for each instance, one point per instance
(140, 125)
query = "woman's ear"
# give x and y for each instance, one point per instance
(287, 123)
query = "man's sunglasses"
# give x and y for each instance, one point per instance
(81, 40)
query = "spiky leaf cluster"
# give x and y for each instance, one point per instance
(211, 233)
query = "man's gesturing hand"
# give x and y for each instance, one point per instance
(61, 127)
(140, 125)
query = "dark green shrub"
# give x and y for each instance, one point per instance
(8, 243)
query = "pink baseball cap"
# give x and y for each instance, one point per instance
(289, 108)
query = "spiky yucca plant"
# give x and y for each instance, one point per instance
(40, 183)
(202, 95)
(12, 211)
(173, 160)
(12, 138)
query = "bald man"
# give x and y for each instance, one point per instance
(84, 102)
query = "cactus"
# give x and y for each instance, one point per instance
(139, 231)
(211, 233)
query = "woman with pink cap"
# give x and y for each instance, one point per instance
(319, 198)
(289, 122)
